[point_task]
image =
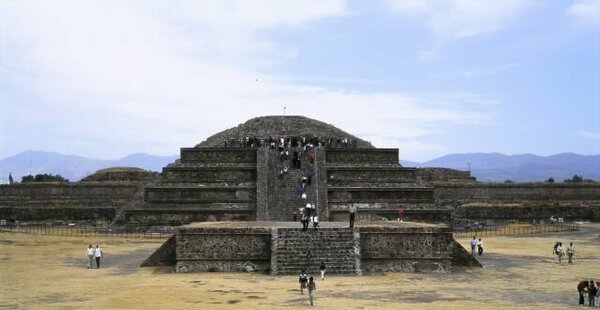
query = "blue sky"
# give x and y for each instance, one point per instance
(109, 78)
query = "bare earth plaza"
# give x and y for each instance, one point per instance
(234, 221)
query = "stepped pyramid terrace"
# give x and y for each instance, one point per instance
(236, 175)
(239, 194)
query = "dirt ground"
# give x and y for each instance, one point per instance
(40, 271)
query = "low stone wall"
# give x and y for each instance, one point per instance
(71, 213)
(364, 157)
(426, 249)
(413, 212)
(517, 192)
(67, 194)
(69, 201)
(444, 175)
(502, 212)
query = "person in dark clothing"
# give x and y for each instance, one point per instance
(304, 219)
(582, 288)
(592, 292)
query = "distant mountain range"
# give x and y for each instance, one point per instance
(493, 167)
(496, 167)
(73, 167)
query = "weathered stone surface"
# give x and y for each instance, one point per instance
(363, 157)
(462, 257)
(122, 174)
(284, 250)
(518, 191)
(217, 155)
(281, 126)
(163, 256)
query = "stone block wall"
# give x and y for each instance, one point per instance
(432, 175)
(385, 249)
(73, 201)
(166, 217)
(517, 192)
(288, 250)
(24, 214)
(370, 176)
(188, 174)
(218, 155)
(502, 212)
(200, 194)
(67, 194)
(362, 157)
(415, 212)
(223, 249)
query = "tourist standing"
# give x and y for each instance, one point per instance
(570, 252)
(312, 287)
(302, 279)
(554, 252)
(304, 220)
(90, 256)
(559, 253)
(473, 244)
(98, 255)
(352, 211)
(480, 247)
(592, 292)
(322, 269)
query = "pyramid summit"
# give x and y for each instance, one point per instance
(283, 126)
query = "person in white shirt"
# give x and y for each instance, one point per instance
(90, 256)
(98, 255)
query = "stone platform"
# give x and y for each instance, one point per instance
(283, 248)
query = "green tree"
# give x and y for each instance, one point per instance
(10, 178)
(44, 178)
(550, 180)
(575, 179)
(27, 178)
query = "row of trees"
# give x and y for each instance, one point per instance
(46, 177)
(574, 179)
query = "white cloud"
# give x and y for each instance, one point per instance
(460, 18)
(585, 12)
(105, 79)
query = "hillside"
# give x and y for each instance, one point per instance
(497, 167)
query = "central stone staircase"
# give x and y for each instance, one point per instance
(282, 201)
(294, 250)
